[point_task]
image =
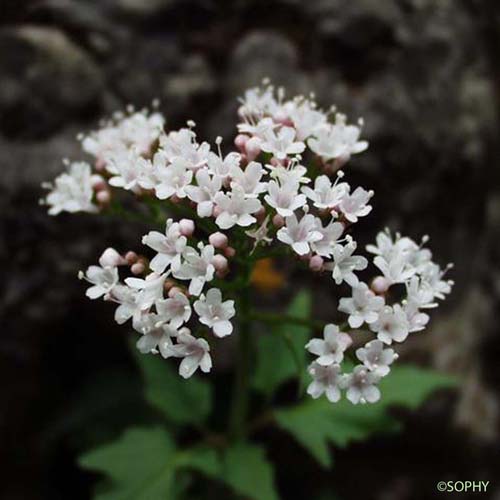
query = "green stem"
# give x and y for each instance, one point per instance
(241, 387)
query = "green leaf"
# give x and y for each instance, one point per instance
(142, 463)
(248, 472)
(281, 353)
(181, 401)
(317, 423)
(139, 466)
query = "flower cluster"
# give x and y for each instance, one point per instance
(284, 184)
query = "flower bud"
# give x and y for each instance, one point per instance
(111, 258)
(100, 164)
(217, 211)
(252, 148)
(260, 215)
(316, 263)
(278, 221)
(240, 141)
(103, 197)
(174, 291)
(218, 240)
(98, 183)
(219, 262)
(138, 268)
(186, 227)
(229, 252)
(131, 257)
(380, 284)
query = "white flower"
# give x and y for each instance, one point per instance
(257, 102)
(126, 298)
(433, 276)
(420, 293)
(182, 144)
(282, 144)
(249, 179)
(260, 233)
(126, 167)
(235, 208)
(337, 141)
(331, 233)
(397, 269)
(326, 380)
(176, 310)
(361, 386)
(173, 179)
(150, 289)
(197, 267)
(103, 279)
(386, 247)
(223, 167)
(299, 234)
(331, 348)
(285, 198)
(362, 307)
(325, 195)
(258, 130)
(72, 191)
(293, 173)
(204, 193)
(214, 313)
(376, 358)
(417, 320)
(306, 119)
(196, 354)
(391, 325)
(345, 263)
(169, 246)
(155, 336)
(355, 204)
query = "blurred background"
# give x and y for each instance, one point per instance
(424, 74)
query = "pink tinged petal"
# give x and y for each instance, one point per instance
(329, 359)
(160, 262)
(225, 220)
(188, 366)
(206, 363)
(355, 320)
(333, 393)
(353, 395)
(146, 343)
(94, 292)
(301, 247)
(222, 328)
(315, 389)
(371, 393)
(196, 286)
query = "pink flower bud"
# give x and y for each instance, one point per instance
(218, 240)
(240, 141)
(229, 252)
(217, 211)
(103, 197)
(174, 291)
(380, 285)
(186, 227)
(260, 215)
(219, 262)
(98, 183)
(131, 257)
(100, 164)
(278, 221)
(111, 258)
(174, 199)
(138, 268)
(252, 148)
(316, 263)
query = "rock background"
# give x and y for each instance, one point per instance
(425, 76)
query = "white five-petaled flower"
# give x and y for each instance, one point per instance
(285, 198)
(150, 289)
(326, 380)
(325, 195)
(355, 205)
(103, 280)
(128, 306)
(169, 246)
(176, 310)
(337, 141)
(214, 313)
(376, 358)
(204, 193)
(235, 208)
(299, 234)
(331, 348)
(417, 320)
(345, 263)
(156, 336)
(222, 167)
(197, 267)
(391, 325)
(362, 307)
(196, 354)
(249, 179)
(361, 385)
(72, 191)
(173, 179)
(282, 143)
(331, 233)
(396, 269)
(182, 144)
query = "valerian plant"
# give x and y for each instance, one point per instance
(282, 192)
